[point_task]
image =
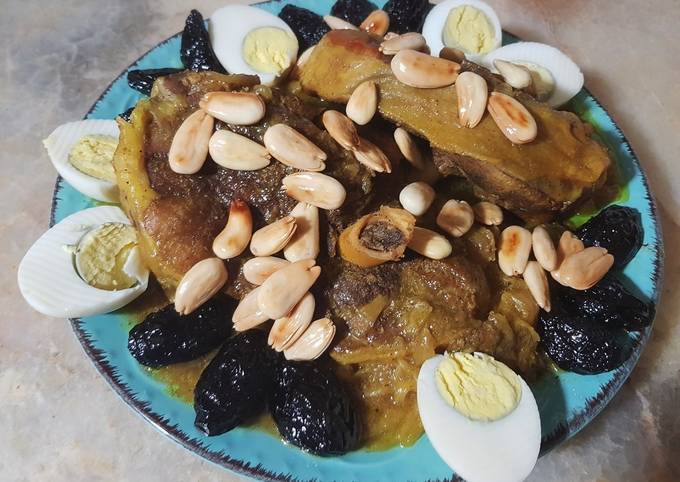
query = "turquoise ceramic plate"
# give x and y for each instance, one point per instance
(567, 401)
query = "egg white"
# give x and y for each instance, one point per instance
(433, 28)
(504, 450)
(566, 74)
(228, 29)
(59, 145)
(48, 279)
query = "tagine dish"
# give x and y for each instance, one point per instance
(375, 244)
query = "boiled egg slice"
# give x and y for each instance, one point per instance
(468, 25)
(82, 153)
(477, 445)
(249, 40)
(87, 264)
(556, 78)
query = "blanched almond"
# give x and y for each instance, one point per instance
(429, 244)
(304, 57)
(248, 314)
(583, 269)
(256, 270)
(488, 213)
(279, 294)
(240, 108)
(199, 284)
(537, 282)
(456, 217)
(568, 245)
(472, 94)
(409, 148)
(544, 248)
(313, 342)
(516, 76)
(372, 156)
(286, 330)
(409, 40)
(316, 189)
(293, 149)
(514, 250)
(234, 238)
(341, 129)
(189, 147)
(422, 70)
(336, 23)
(305, 241)
(452, 54)
(237, 152)
(416, 197)
(377, 23)
(512, 118)
(363, 103)
(273, 237)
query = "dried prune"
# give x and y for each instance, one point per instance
(312, 410)
(407, 15)
(577, 344)
(607, 303)
(236, 384)
(126, 115)
(354, 11)
(307, 26)
(142, 80)
(166, 337)
(196, 51)
(616, 228)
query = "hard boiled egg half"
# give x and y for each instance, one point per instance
(468, 25)
(82, 153)
(248, 40)
(87, 264)
(480, 417)
(556, 78)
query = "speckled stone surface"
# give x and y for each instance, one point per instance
(59, 421)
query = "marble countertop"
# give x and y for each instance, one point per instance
(59, 421)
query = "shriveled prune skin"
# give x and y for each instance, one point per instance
(165, 337)
(616, 228)
(578, 345)
(407, 15)
(312, 410)
(607, 303)
(126, 115)
(142, 80)
(236, 384)
(354, 11)
(307, 26)
(196, 51)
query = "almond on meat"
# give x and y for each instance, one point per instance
(512, 118)
(341, 129)
(248, 314)
(336, 23)
(514, 251)
(279, 294)
(452, 54)
(430, 244)
(293, 149)
(256, 270)
(537, 282)
(372, 156)
(472, 93)
(234, 238)
(240, 108)
(363, 103)
(456, 218)
(417, 197)
(305, 241)
(199, 284)
(237, 152)
(408, 148)
(417, 69)
(286, 330)
(273, 237)
(409, 40)
(544, 248)
(377, 23)
(316, 189)
(313, 342)
(517, 76)
(488, 213)
(189, 147)
(583, 269)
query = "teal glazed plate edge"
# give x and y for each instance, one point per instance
(567, 401)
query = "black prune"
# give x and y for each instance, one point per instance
(312, 410)
(607, 303)
(307, 26)
(142, 80)
(407, 15)
(354, 11)
(196, 51)
(577, 344)
(126, 115)
(236, 384)
(166, 337)
(616, 228)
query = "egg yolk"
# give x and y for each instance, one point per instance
(478, 386)
(102, 253)
(93, 155)
(468, 28)
(269, 49)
